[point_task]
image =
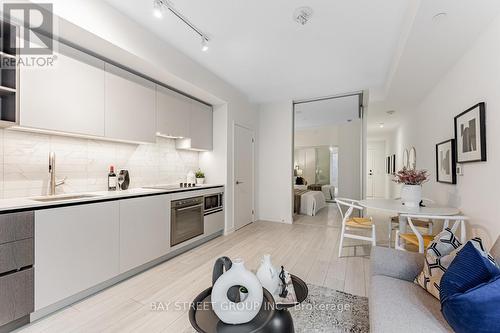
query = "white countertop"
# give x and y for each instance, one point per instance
(30, 203)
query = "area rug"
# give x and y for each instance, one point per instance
(332, 311)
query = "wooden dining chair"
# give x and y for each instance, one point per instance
(427, 226)
(422, 241)
(350, 223)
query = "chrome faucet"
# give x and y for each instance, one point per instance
(52, 173)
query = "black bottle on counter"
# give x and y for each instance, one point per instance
(112, 179)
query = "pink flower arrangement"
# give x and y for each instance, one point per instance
(411, 177)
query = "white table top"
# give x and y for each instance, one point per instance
(395, 206)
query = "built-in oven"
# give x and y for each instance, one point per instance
(213, 203)
(187, 219)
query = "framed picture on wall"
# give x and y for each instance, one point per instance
(388, 165)
(470, 134)
(393, 164)
(445, 162)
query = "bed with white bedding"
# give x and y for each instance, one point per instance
(329, 192)
(309, 202)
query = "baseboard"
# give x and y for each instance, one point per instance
(274, 221)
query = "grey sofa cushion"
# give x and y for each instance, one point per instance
(397, 264)
(402, 306)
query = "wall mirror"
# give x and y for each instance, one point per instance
(406, 159)
(412, 158)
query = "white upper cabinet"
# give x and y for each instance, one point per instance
(68, 96)
(201, 126)
(173, 113)
(130, 112)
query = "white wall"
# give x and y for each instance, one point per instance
(120, 39)
(320, 136)
(274, 170)
(475, 78)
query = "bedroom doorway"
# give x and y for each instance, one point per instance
(327, 162)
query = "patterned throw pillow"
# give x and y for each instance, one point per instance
(440, 253)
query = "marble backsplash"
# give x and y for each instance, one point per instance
(24, 163)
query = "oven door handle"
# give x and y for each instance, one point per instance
(189, 207)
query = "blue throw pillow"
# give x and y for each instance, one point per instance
(470, 291)
(469, 269)
(475, 311)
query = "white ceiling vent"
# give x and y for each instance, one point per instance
(302, 15)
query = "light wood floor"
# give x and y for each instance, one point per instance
(308, 249)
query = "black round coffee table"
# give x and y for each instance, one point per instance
(271, 318)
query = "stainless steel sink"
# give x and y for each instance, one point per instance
(65, 197)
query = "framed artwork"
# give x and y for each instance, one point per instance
(394, 164)
(445, 162)
(388, 165)
(470, 134)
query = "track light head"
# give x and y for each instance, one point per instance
(157, 9)
(204, 44)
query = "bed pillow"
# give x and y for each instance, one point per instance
(440, 253)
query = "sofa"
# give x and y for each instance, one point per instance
(396, 303)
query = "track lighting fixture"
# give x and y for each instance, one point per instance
(160, 5)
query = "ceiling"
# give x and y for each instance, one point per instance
(258, 48)
(334, 111)
(427, 51)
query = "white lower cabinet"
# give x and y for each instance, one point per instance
(76, 247)
(144, 230)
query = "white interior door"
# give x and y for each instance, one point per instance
(369, 170)
(379, 174)
(375, 168)
(243, 176)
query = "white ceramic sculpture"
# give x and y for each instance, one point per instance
(242, 312)
(268, 275)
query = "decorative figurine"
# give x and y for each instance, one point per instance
(284, 291)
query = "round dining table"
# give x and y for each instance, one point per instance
(394, 206)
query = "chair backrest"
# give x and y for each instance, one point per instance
(349, 205)
(458, 221)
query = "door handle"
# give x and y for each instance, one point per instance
(238, 182)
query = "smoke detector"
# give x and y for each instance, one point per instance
(302, 15)
(390, 112)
